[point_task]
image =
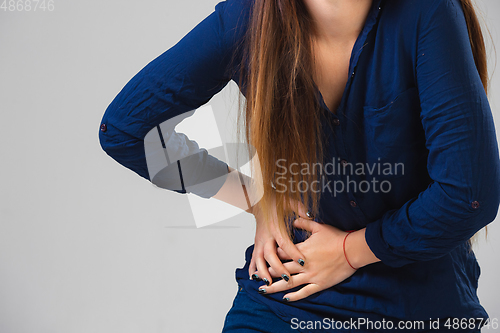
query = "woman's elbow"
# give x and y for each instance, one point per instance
(124, 149)
(488, 200)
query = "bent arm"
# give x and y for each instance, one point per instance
(463, 159)
(180, 80)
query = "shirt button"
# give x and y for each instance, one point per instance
(352, 75)
(103, 127)
(353, 203)
(336, 122)
(475, 204)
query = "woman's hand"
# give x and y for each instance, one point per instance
(267, 237)
(325, 265)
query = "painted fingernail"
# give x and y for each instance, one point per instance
(301, 262)
(255, 277)
(266, 281)
(285, 277)
(262, 291)
(286, 299)
(309, 215)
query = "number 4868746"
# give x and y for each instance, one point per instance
(27, 5)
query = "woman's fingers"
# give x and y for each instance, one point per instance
(306, 224)
(272, 258)
(292, 267)
(304, 213)
(302, 292)
(287, 249)
(283, 255)
(252, 268)
(271, 247)
(287, 246)
(300, 279)
(282, 285)
(262, 270)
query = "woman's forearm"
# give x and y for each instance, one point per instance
(233, 190)
(357, 250)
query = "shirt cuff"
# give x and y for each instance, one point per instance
(374, 237)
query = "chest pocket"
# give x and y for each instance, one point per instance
(394, 129)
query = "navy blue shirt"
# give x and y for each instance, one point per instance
(414, 113)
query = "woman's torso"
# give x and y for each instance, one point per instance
(376, 121)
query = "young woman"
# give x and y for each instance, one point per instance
(376, 147)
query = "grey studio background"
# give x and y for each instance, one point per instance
(87, 245)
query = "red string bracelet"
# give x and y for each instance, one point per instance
(348, 233)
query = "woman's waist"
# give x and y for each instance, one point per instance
(419, 291)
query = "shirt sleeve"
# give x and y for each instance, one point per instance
(137, 128)
(463, 159)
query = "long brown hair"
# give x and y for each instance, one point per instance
(282, 118)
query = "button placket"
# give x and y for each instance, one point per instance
(340, 144)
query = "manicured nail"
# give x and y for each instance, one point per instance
(255, 277)
(266, 281)
(309, 215)
(286, 299)
(301, 262)
(262, 291)
(285, 277)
